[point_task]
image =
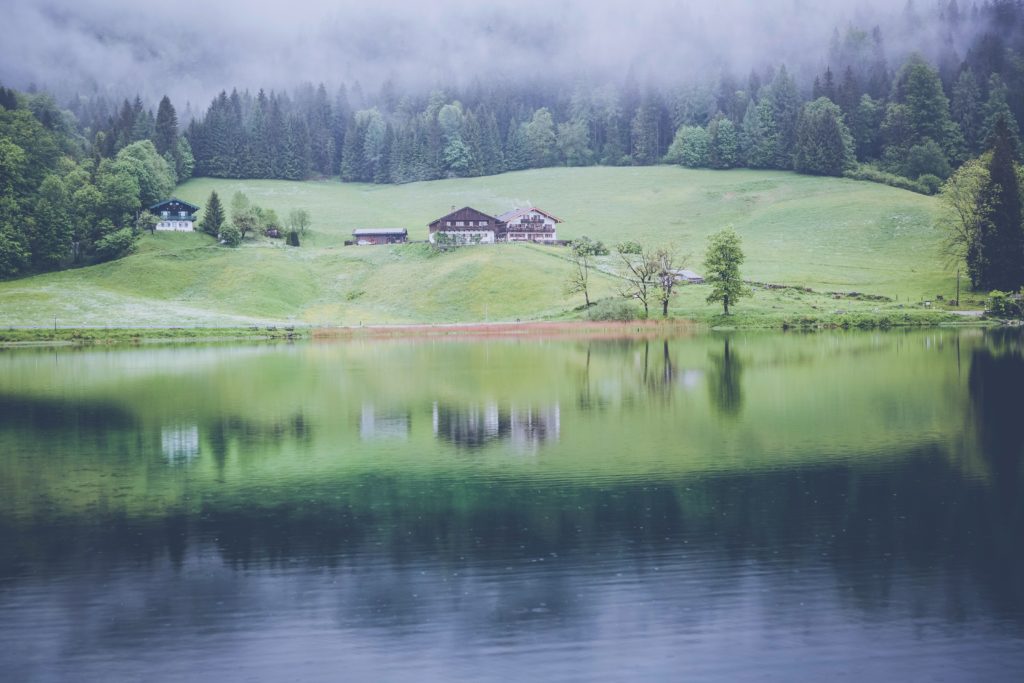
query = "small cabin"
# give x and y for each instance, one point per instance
(530, 225)
(364, 236)
(467, 226)
(175, 215)
(688, 276)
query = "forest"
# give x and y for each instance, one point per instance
(77, 176)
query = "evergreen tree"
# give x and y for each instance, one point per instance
(785, 111)
(996, 108)
(724, 143)
(760, 136)
(824, 146)
(995, 259)
(213, 215)
(965, 108)
(918, 88)
(645, 134)
(165, 138)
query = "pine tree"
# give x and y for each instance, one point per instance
(965, 108)
(724, 147)
(824, 146)
(213, 215)
(995, 259)
(166, 133)
(785, 111)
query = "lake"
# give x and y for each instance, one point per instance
(715, 507)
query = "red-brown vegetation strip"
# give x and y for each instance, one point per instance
(534, 330)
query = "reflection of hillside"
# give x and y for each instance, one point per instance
(836, 518)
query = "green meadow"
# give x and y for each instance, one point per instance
(832, 235)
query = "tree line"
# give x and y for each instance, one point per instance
(60, 205)
(910, 124)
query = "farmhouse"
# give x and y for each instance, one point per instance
(175, 215)
(529, 225)
(467, 226)
(362, 236)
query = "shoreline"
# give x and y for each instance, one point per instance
(540, 329)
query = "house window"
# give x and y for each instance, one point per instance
(181, 213)
(448, 223)
(458, 224)
(482, 223)
(164, 214)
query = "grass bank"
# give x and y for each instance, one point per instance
(827, 234)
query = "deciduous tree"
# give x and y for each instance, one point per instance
(722, 265)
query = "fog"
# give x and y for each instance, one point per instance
(191, 49)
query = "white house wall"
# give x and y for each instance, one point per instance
(175, 226)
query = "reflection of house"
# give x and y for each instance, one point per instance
(382, 425)
(364, 236)
(467, 226)
(477, 426)
(175, 215)
(529, 225)
(180, 444)
(531, 427)
(470, 427)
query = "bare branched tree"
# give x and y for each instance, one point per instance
(641, 277)
(579, 279)
(669, 264)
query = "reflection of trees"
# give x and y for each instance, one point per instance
(842, 516)
(725, 383)
(995, 384)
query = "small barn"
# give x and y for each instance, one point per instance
(175, 215)
(688, 276)
(365, 236)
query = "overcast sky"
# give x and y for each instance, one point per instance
(191, 49)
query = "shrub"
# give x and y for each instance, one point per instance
(613, 309)
(628, 247)
(873, 175)
(115, 244)
(1003, 305)
(230, 235)
(293, 238)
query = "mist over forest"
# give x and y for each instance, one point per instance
(107, 105)
(192, 49)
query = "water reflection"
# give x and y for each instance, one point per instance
(383, 424)
(348, 531)
(995, 383)
(725, 382)
(180, 444)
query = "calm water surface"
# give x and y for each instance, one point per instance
(717, 508)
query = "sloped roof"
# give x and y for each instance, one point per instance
(516, 213)
(192, 208)
(467, 213)
(361, 232)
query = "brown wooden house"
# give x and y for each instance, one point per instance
(467, 226)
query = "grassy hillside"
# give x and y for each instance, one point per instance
(825, 233)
